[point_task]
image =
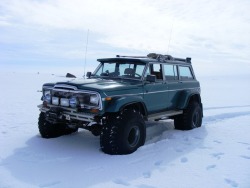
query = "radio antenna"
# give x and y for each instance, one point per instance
(170, 35)
(85, 58)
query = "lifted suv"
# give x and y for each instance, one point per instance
(116, 100)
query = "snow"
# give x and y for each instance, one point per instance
(215, 155)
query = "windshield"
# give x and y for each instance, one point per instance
(130, 70)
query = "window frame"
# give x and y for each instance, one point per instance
(177, 72)
(191, 72)
(117, 65)
(148, 67)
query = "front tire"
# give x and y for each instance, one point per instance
(191, 117)
(123, 133)
(49, 130)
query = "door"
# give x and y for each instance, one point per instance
(155, 93)
(173, 83)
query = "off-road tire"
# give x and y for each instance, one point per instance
(49, 130)
(191, 117)
(96, 129)
(68, 130)
(123, 133)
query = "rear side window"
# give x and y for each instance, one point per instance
(185, 73)
(170, 72)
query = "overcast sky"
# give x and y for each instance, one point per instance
(47, 33)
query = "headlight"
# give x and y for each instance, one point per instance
(94, 99)
(47, 96)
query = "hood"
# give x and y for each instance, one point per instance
(103, 84)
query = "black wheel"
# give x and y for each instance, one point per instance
(191, 117)
(123, 133)
(46, 129)
(49, 130)
(96, 129)
(68, 130)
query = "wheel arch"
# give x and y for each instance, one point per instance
(138, 106)
(188, 96)
(121, 103)
(195, 97)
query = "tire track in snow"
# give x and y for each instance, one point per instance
(223, 116)
(217, 155)
(50, 184)
(209, 167)
(225, 107)
(231, 182)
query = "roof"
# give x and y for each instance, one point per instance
(142, 60)
(152, 57)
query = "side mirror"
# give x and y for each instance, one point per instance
(151, 78)
(88, 74)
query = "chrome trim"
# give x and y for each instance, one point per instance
(104, 99)
(65, 86)
(71, 112)
(156, 92)
(47, 87)
(165, 114)
(196, 88)
(76, 91)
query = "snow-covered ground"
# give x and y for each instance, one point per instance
(215, 155)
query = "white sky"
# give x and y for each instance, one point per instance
(38, 33)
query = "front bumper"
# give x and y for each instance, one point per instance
(69, 113)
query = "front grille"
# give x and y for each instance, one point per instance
(64, 94)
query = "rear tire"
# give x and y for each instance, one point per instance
(191, 117)
(123, 133)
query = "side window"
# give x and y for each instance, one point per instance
(156, 69)
(170, 72)
(185, 73)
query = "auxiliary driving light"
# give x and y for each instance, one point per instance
(73, 102)
(64, 102)
(55, 100)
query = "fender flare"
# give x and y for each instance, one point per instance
(185, 97)
(119, 103)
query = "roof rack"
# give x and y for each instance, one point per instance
(160, 57)
(164, 58)
(132, 56)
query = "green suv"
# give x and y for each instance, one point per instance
(119, 96)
